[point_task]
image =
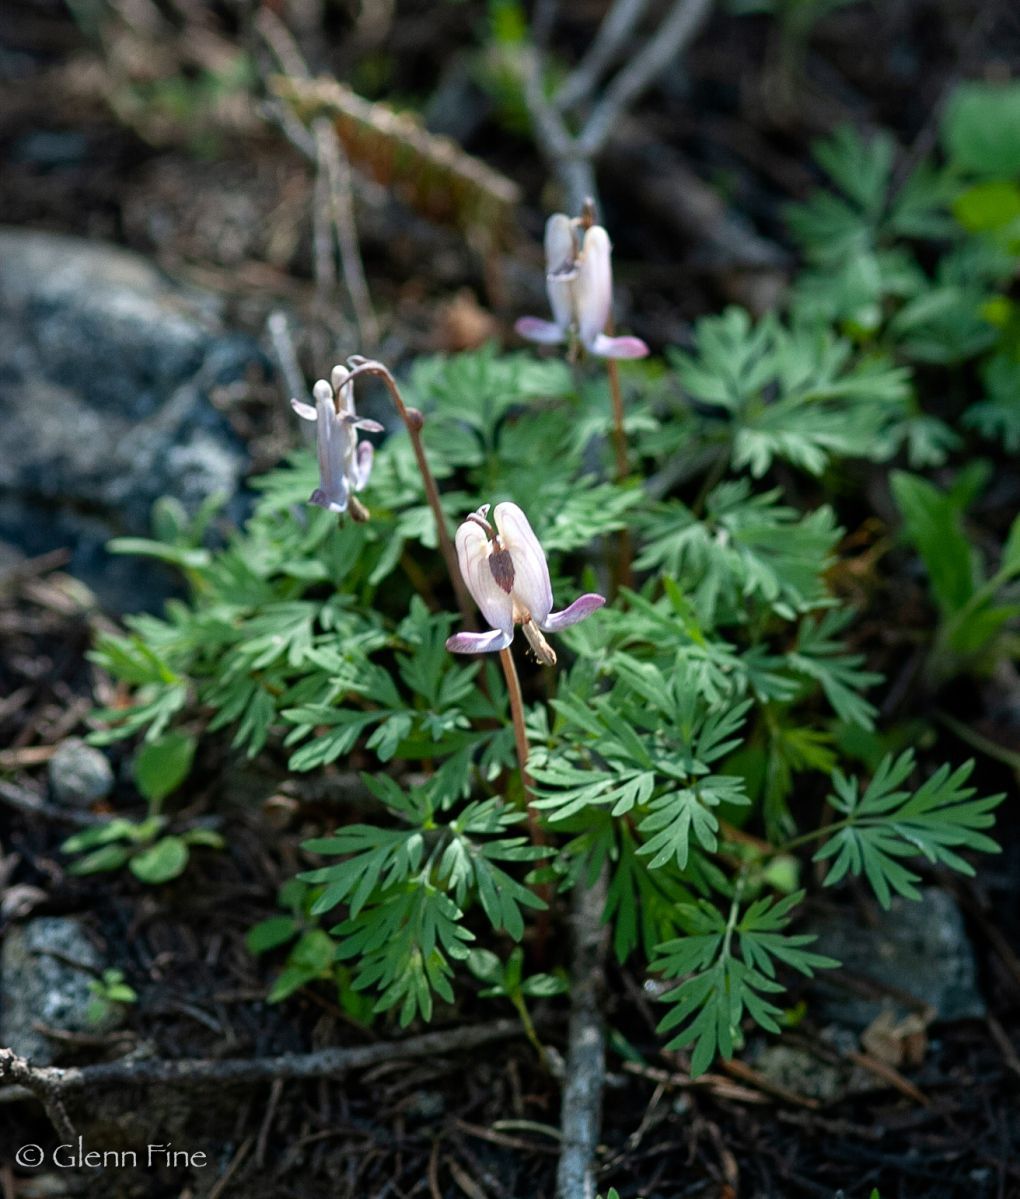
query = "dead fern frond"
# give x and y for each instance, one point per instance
(431, 174)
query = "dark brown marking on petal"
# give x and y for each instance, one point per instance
(502, 566)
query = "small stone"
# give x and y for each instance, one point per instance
(798, 1070)
(425, 1105)
(79, 774)
(45, 970)
(918, 948)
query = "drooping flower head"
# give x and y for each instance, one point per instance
(506, 572)
(344, 465)
(579, 283)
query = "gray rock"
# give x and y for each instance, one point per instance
(917, 948)
(80, 774)
(106, 371)
(800, 1071)
(45, 970)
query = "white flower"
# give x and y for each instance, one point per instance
(344, 466)
(506, 572)
(579, 283)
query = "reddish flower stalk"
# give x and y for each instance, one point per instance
(414, 422)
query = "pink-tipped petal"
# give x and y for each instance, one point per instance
(618, 347)
(332, 501)
(473, 550)
(531, 588)
(305, 411)
(479, 643)
(363, 467)
(594, 286)
(580, 609)
(366, 425)
(535, 329)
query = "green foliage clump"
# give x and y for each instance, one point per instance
(699, 724)
(869, 240)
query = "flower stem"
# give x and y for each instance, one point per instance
(624, 572)
(619, 437)
(513, 687)
(414, 421)
(543, 890)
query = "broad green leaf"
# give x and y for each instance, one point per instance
(270, 933)
(108, 857)
(161, 766)
(160, 862)
(981, 128)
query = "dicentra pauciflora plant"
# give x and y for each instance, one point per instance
(701, 733)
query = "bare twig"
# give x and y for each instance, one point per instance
(285, 356)
(333, 214)
(543, 18)
(682, 23)
(24, 801)
(52, 1083)
(279, 39)
(45, 1089)
(572, 157)
(581, 1112)
(232, 1167)
(323, 261)
(617, 26)
(335, 167)
(573, 171)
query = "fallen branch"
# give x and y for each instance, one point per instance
(35, 1081)
(25, 801)
(51, 1084)
(581, 1111)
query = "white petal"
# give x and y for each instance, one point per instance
(560, 244)
(344, 391)
(532, 588)
(594, 285)
(322, 392)
(561, 268)
(305, 411)
(473, 548)
(561, 300)
(363, 465)
(335, 447)
(546, 333)
(479, 643)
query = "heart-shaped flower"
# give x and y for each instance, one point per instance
(579, 283)
(506, 572)
(344, 465)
